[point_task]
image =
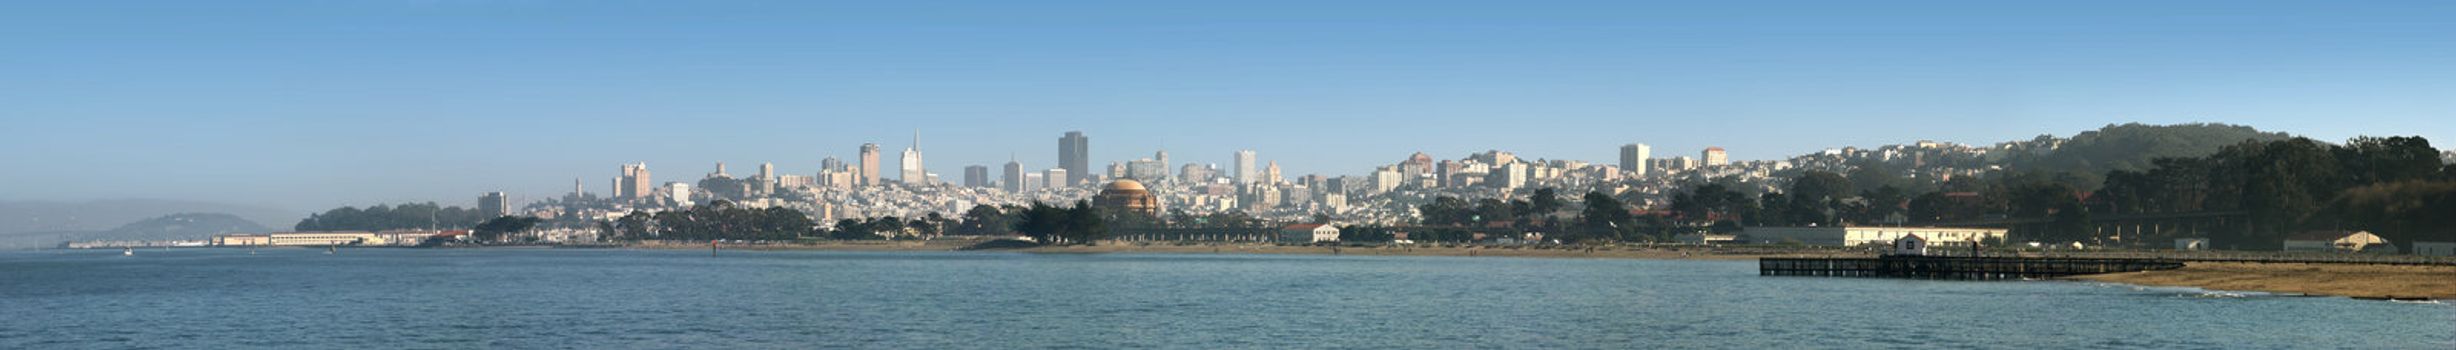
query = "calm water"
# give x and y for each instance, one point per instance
(465, 298)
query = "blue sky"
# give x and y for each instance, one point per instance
(313, 104)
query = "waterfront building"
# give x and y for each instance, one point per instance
(1309, 233)
(869, 164)
(1853, 236)
(242, 240)
(1244, 166)
(1633, 158)
(1074, 155)
(2338, 241)
(2434, 248)
(319, 238)
(495, 205)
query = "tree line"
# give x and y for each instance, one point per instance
(383, 217)
(2398, 187)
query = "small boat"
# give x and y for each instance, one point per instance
(128, 252)
(330, 249)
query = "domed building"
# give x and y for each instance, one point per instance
(1127, 196)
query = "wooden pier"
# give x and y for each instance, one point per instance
(1955, 268)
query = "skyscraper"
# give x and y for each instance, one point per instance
(976, 176)
(1714, 156)
(1074, 155)
(1270, 174)
(869, 164)
(1162, 157)
(1245, 166)
(1633, 158)
(1014, 176)
(633, 184)
(914, 173)
(495, 204)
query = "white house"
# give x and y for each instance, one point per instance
(1910, 245)
(1707, 238)
(1308, 233)
(2337, 241)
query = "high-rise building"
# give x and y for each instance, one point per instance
(1194, 173)
(1033, 181)
(1161, 156)
(633, 184)
(1245, 166)
(1385, 179)
(1270, 174)
(1513, 175)
(1074, 155)
(1633, 158)
(1056, 178)
(1146, 170)
(976, 176)
(1014, 177)
(1117, 170)
(869, 164)
(914, 173)
(495, 205)
(1715, 157)
(679, 193)
(831, 163)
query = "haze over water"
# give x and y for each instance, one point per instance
(510, 298)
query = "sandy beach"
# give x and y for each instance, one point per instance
(2351, 280)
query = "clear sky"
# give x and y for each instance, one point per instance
(312, 104)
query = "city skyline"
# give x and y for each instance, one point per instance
(299, 120)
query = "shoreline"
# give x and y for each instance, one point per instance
(2359, 281)
(1646, 253)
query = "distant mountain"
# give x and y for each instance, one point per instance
(182, 226)
(100, 215)
(2130, 147)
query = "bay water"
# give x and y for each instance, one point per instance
(609, 299)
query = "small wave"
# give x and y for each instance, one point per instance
(2220, 294)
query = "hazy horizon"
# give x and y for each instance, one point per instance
(304, 107)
